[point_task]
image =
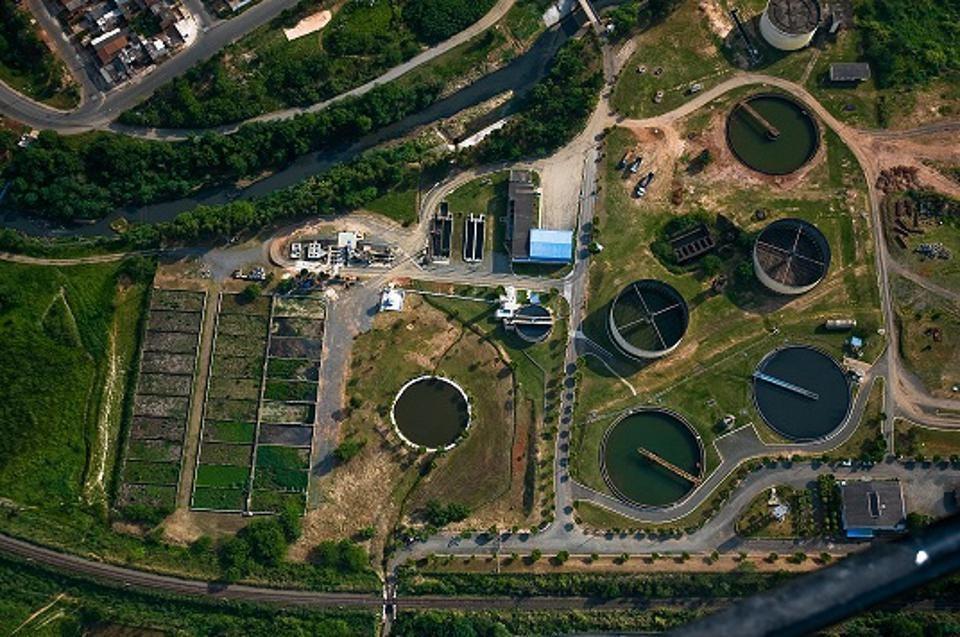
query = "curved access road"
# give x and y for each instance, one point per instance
(98, 112)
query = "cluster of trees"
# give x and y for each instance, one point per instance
(828, 494)
(555, 110)
(436, 20)
(440, 515)
(86, 178)
(597, 585)
(627, 17)
(910, 43)
(263, 542)
(22, 50)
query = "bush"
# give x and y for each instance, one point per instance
(436, 20)
(439, 515)
(347, 449)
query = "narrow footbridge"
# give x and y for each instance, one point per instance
(666, 464)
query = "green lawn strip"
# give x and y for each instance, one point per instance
(222, 476)
(238, 432)
(154, 450)
(151, 472)
(281, 468)
(916, 441)
(292, 369)
(213, 453)
(268, 500)
(867, 441)
(290, 390)
(263, 71)
(218, 499)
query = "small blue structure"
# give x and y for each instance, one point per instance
(549, 246)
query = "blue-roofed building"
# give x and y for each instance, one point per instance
(528, 242)
(550, 246)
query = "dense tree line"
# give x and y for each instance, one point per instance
(50, 177)
(555, 110)
(88, 177)
(436, 20)
(607, 586)
(910, 43)
(437, 623)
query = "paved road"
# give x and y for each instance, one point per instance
(99, 113)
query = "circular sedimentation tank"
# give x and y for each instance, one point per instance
(791, 256)
(629, 449)
(431, 412)
(789, 25)
(772, 134)
(648, 319)
(535, 332)
(801, 393)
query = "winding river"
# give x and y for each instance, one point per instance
(519, 76)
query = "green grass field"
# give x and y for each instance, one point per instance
(54, 328)
(684, 47)
(929, 336)
(914, 441)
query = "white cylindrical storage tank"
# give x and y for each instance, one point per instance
(648, 319)
(791, 256)
(789, 25)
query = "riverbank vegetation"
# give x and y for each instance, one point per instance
(88, 176)
(27, 64)
(35, 600)
(264, 71)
